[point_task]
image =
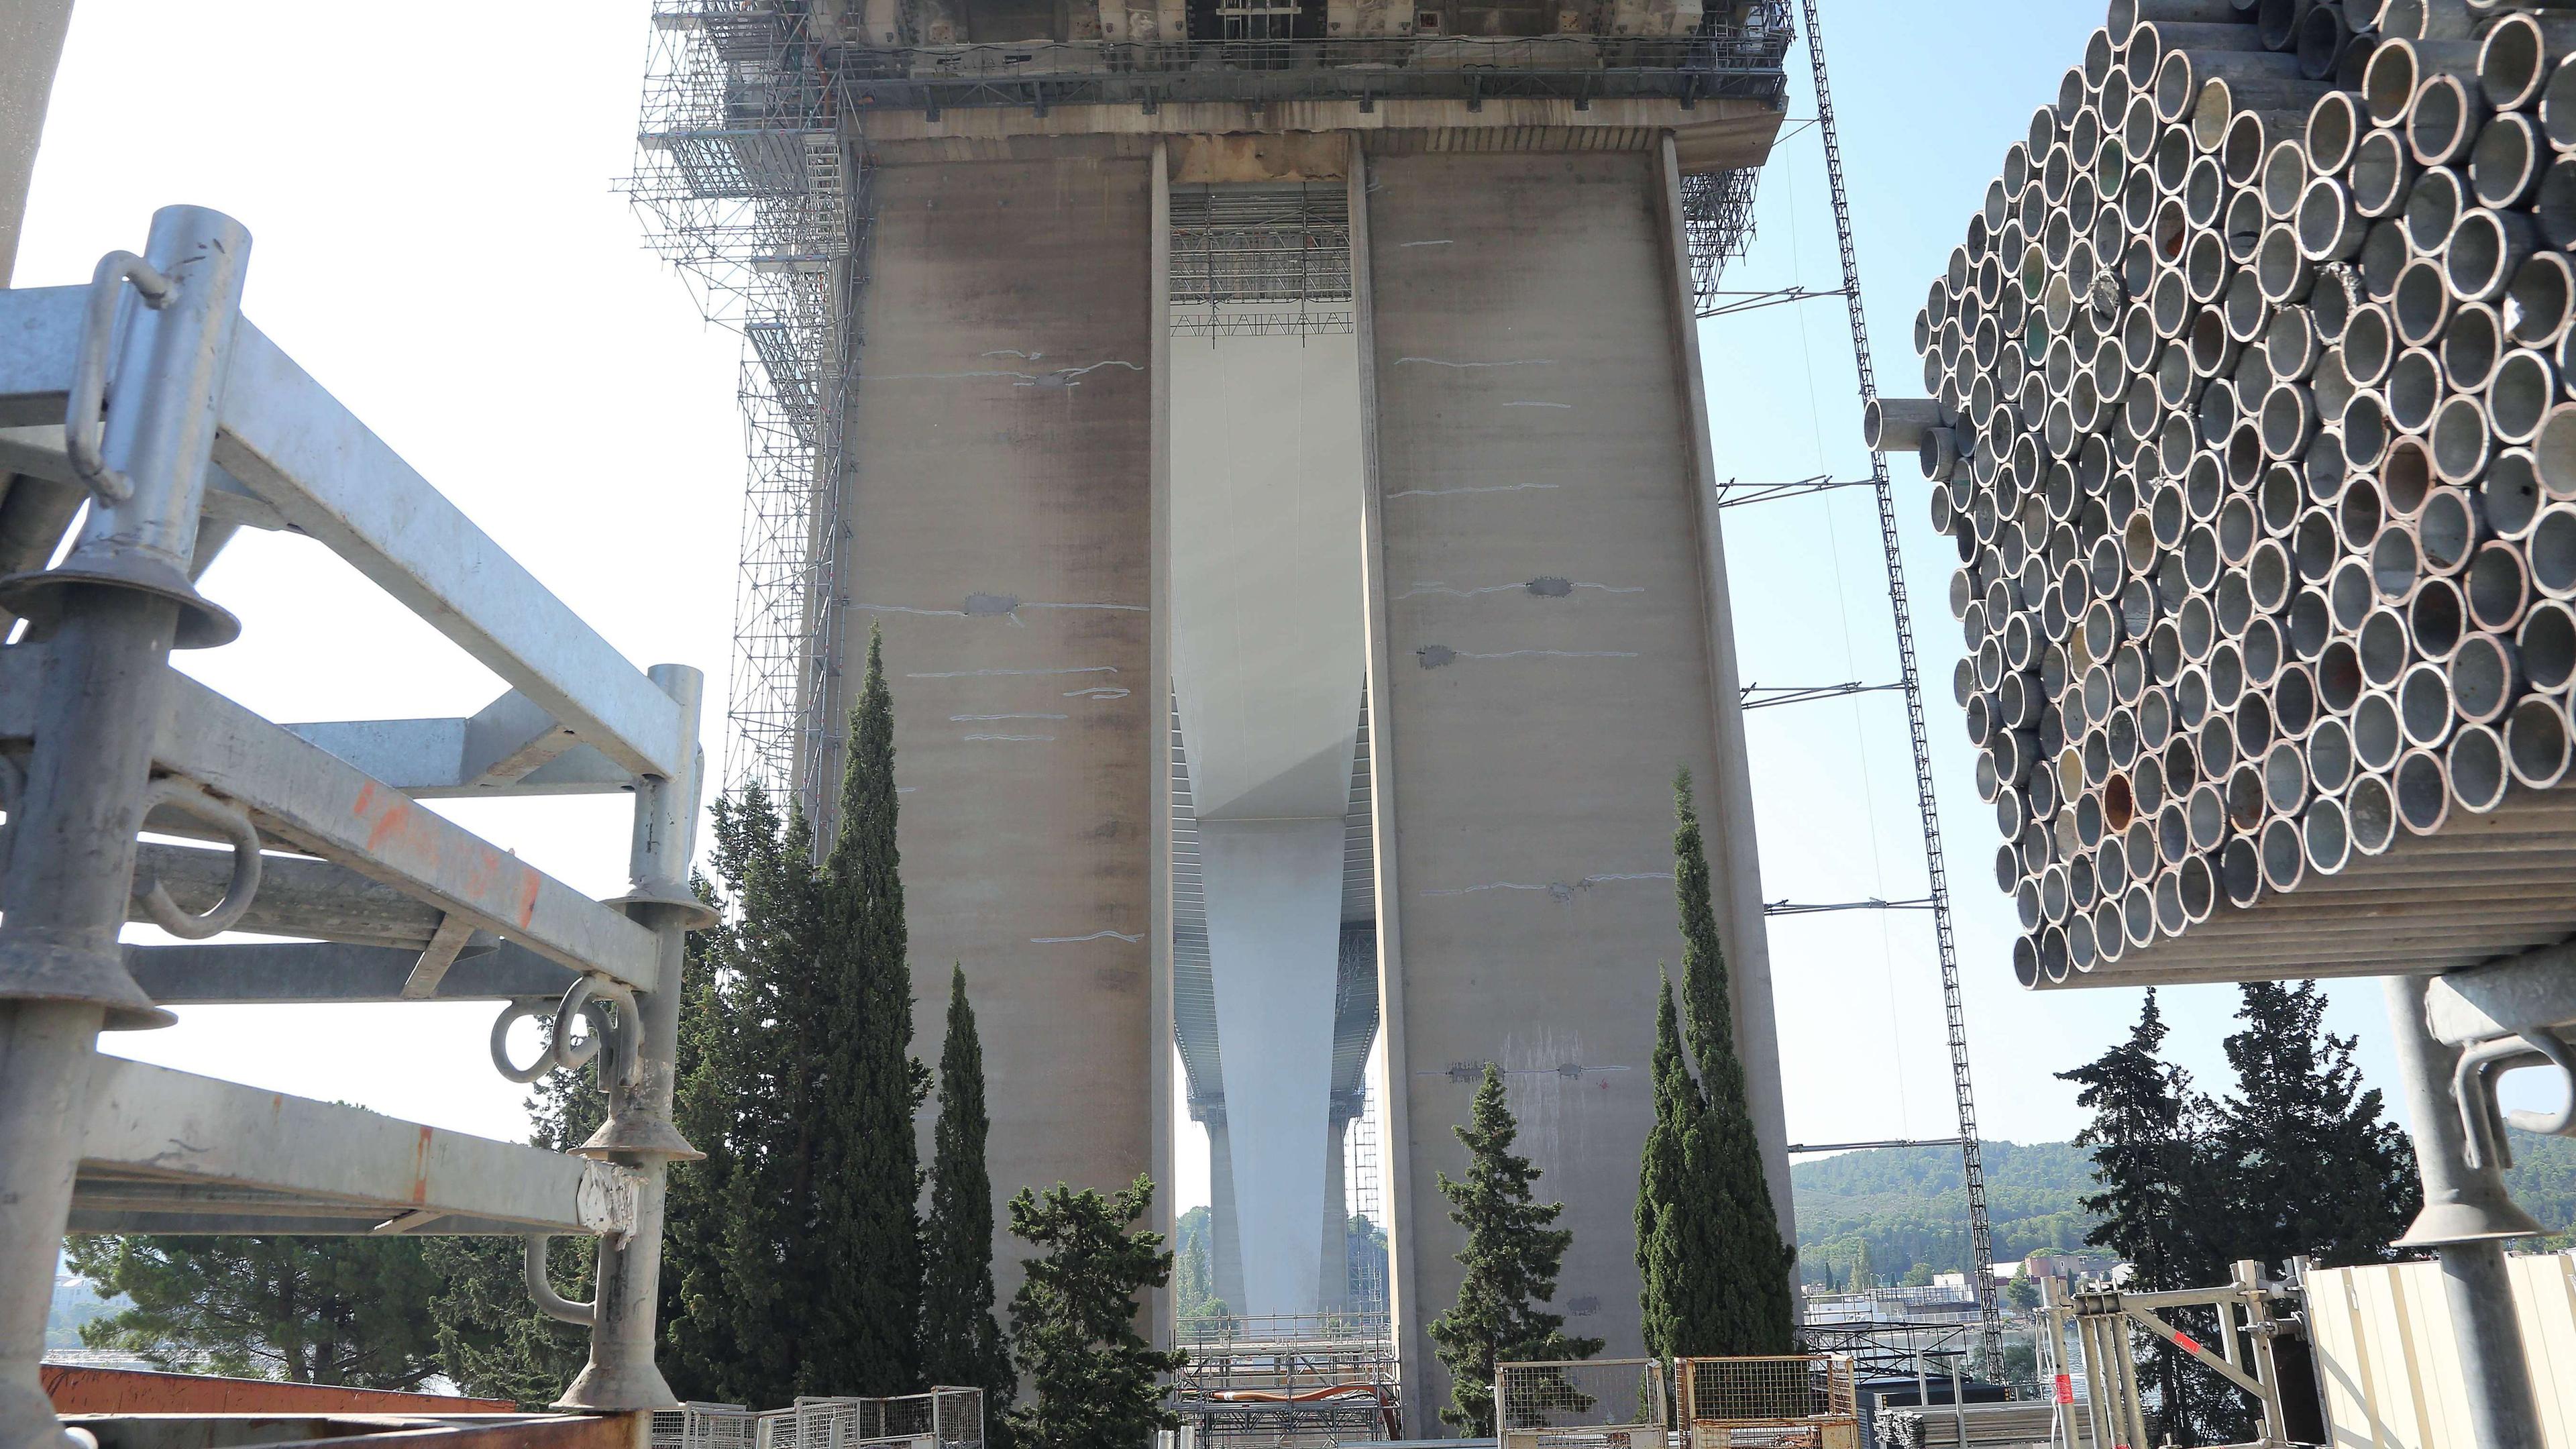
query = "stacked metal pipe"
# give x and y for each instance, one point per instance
(2251, 417)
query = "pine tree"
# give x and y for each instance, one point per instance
(867, 1182)
(2144, 1154)
(960, 1342)
(695, 1230)
(2152, 1159)
(1717, 1270)
(350, 1311)
(1093, 1383)
(2310, 1165)
(1512, 1258)
(751, 1295)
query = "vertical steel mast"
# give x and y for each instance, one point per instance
(1971, 1158)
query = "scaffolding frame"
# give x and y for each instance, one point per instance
(751, 191)
(1289, 1381)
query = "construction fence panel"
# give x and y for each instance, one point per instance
(944, 1418)
(2388, 1361)
(1618, 1403)
(1777, 1399)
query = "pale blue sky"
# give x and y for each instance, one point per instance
(437, 239)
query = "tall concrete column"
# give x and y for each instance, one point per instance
(1553, 656)
(1335, 1256)
(31, 49)
(1736, 883)
(1267, 664)
(997, 525)
(1225, 1237)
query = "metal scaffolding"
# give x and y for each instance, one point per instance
(183, 423)
(750, 190)
(1299, 1381)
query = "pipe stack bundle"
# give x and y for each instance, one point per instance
(2251, 418)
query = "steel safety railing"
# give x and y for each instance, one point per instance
(943, 1418)
(143, 422)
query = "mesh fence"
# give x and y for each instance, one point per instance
(1581, 1404)
(1806, 1388)
(945, 1418)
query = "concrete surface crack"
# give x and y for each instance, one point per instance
(1075, 940)
(1483, 488)
(1061, 377)
(1559, 889)
(983, 673)
(1546, 588)
(1508, 362)
(1435, 656)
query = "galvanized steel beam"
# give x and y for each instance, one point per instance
(321, 804)
(281, 973)
(295, 446)
(151, 1122)
(509, 747)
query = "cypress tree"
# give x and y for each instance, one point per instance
(1092, 1380)
(1722, 1271)
(2310, 1165)
(960, 1342)
(1512, 1258)
(868, 1179)
(1660, 1176)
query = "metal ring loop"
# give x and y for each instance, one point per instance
(2562, 1122)
(567, 1052)
(82, 424)
(533, 1009)
(591, 994)
(234, 822)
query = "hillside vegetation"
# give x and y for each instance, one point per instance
(1909, 1205)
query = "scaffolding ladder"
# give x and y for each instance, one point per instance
(1971, 1159)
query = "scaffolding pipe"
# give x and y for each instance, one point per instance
(2466, 1220)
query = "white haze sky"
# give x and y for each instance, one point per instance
(439, 240)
